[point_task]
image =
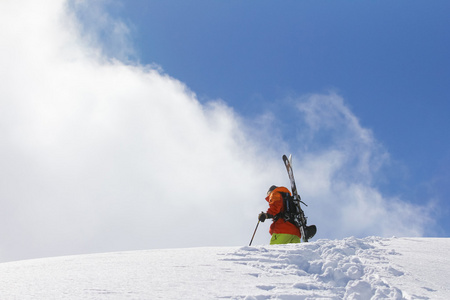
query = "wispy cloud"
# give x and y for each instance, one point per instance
(100, 155)
(339, 170)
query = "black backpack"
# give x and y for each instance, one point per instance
(292, 210)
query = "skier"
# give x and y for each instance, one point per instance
(283, 232)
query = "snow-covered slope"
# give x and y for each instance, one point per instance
(395, 268)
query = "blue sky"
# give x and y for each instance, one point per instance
(389, 61)
(116, 114)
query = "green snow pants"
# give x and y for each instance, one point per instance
(282, 238)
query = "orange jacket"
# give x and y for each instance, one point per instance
(276, 205)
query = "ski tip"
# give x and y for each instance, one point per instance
(285, 157)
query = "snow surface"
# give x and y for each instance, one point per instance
(369, 268)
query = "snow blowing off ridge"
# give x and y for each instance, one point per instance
(369, 268)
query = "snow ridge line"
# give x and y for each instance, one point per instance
(351, 269)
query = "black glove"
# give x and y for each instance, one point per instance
(262, 216)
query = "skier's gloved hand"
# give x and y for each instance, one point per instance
(262, 216)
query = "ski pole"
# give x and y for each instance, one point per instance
(257, 224)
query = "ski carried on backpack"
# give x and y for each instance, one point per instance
(297, 216)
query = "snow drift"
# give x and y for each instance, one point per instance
(369, 268)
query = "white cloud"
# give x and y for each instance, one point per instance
(100, 155)
(339, 174)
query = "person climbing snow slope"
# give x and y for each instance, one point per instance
(282, 231)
